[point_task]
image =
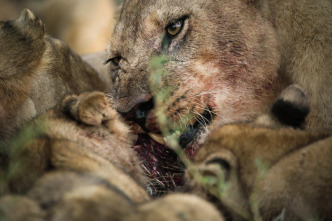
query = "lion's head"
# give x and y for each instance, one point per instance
(221, 65)
(218, 64)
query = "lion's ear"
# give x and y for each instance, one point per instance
(219, 166)
(30, 24)
(292, 107)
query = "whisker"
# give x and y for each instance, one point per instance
(205, 120)
(182, 121)
(204, 107)
(203, 124)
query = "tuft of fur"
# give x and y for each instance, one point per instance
(37, 72)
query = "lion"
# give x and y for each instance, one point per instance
(227, 61)
(37, 72)
(85, 134)
(268, 168)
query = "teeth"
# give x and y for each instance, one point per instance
(158, 138)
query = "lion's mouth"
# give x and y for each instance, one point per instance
(159, 161)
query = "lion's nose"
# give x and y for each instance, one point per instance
(127, 103)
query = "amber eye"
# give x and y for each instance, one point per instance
(115, 61)
(174, 28)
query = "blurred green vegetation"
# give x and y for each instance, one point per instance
(14, 156)
(119, 2)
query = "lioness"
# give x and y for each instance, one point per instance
(227, 60)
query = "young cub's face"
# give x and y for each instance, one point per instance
(222, 62)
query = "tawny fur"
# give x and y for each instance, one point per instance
(269, 169)
(176, 207)
(70, 195)
(97, 143)
(19, 208)
(304, 31)
(37, 72)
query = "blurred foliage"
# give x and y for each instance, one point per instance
(119, 2)
(13, 154)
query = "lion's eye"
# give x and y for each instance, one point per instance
(115, 61)
(174, 28)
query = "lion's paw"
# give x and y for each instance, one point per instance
(91, 108)
(94, 108)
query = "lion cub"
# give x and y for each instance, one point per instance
(267, 169)
(37, 72)
(84, 135)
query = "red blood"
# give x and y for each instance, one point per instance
(160, 163)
